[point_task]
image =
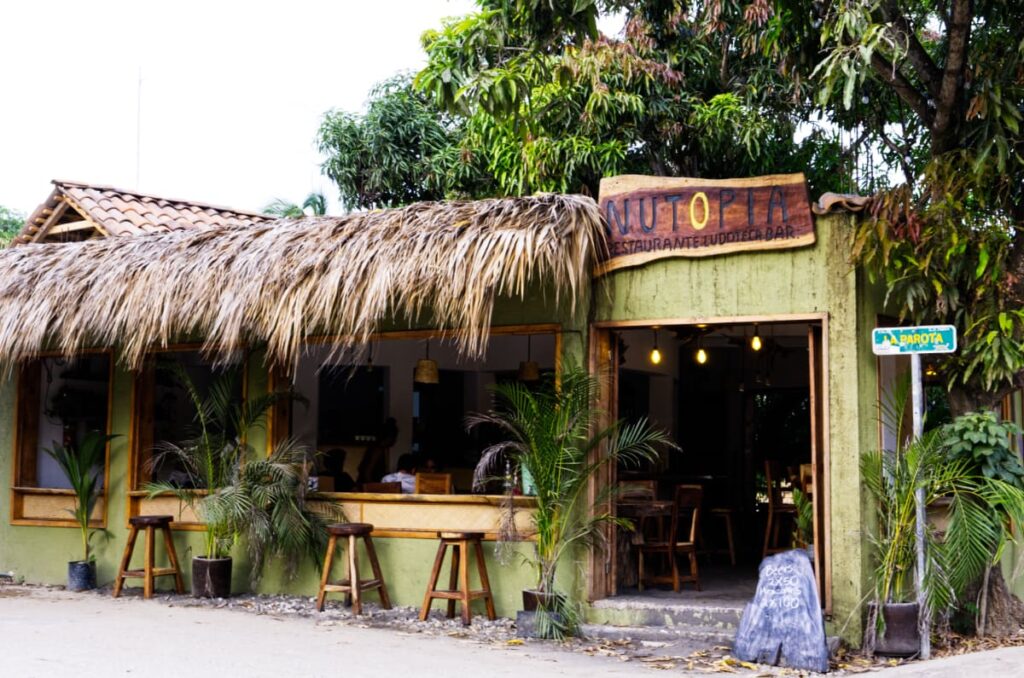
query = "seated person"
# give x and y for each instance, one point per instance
(334, 464)
(430, 465)
(405, 474)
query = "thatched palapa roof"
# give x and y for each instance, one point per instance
(441, 263)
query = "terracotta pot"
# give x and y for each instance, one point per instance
(81, 575)
(901, 637)
(211, 577)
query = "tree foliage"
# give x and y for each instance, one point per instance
(11, 222)
(525, 96)
(401, 150)
(315, 205)
(928, 97)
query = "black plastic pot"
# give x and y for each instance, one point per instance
(211, 577)
(536, 599)
(901, 637)
(81, 575)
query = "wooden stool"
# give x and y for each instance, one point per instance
(458, 582)
(149, 573)
(726, 515)
(353, 585)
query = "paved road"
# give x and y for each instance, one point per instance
(51, 634)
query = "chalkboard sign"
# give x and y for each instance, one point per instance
(783, 625)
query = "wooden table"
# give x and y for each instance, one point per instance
(640, 512)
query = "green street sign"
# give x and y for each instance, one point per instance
(903, 340)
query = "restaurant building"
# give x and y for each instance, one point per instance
(724, 311)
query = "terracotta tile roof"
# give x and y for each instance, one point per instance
(76, 210)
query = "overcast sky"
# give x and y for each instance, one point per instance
(232, 92)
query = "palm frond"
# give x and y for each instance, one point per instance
(552, 435)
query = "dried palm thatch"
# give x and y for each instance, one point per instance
(442, 264)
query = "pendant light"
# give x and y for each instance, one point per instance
(426, 370)
(529, 370)
(655, 353)
(701, 356)
(755, 341)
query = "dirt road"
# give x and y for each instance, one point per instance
(50, 633)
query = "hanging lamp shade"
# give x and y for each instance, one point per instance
(426, 371)
(529, 370)
(655, 356)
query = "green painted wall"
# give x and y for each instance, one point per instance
(815, 279)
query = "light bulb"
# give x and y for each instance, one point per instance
(702, 356)
(655, 356)
(755, 342)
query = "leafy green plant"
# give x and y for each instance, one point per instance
(804, 517)
(984, 441)
(83, 468)
(239, 493)
(553, 434)
(981, 512)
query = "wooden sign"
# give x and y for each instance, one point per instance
(650, 218)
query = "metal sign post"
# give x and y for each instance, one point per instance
(924, 628)
(891, 341)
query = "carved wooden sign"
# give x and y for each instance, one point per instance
(650, 218)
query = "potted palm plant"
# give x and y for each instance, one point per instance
(83, 467)
(235, 492)
(553, 436)
(803, 533)
(981, 511)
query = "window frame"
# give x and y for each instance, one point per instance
(20, 491)
(137, 498)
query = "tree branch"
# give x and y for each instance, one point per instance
(903, 87)
(959, 34)
(918, 56)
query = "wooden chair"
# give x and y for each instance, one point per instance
(458, 582)
(807, 479)
(637, 490)
(353, 585)
(433, 483)
(726, 515)
(149, 572)
(683, 531)
(630, 491)
(383, 488)
(777, 510)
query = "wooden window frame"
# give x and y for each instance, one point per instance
(138, 498)
(19, 491)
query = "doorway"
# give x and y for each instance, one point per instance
(745, 401)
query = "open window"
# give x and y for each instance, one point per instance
(164, 412)
(362, 413)
(59, 401)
